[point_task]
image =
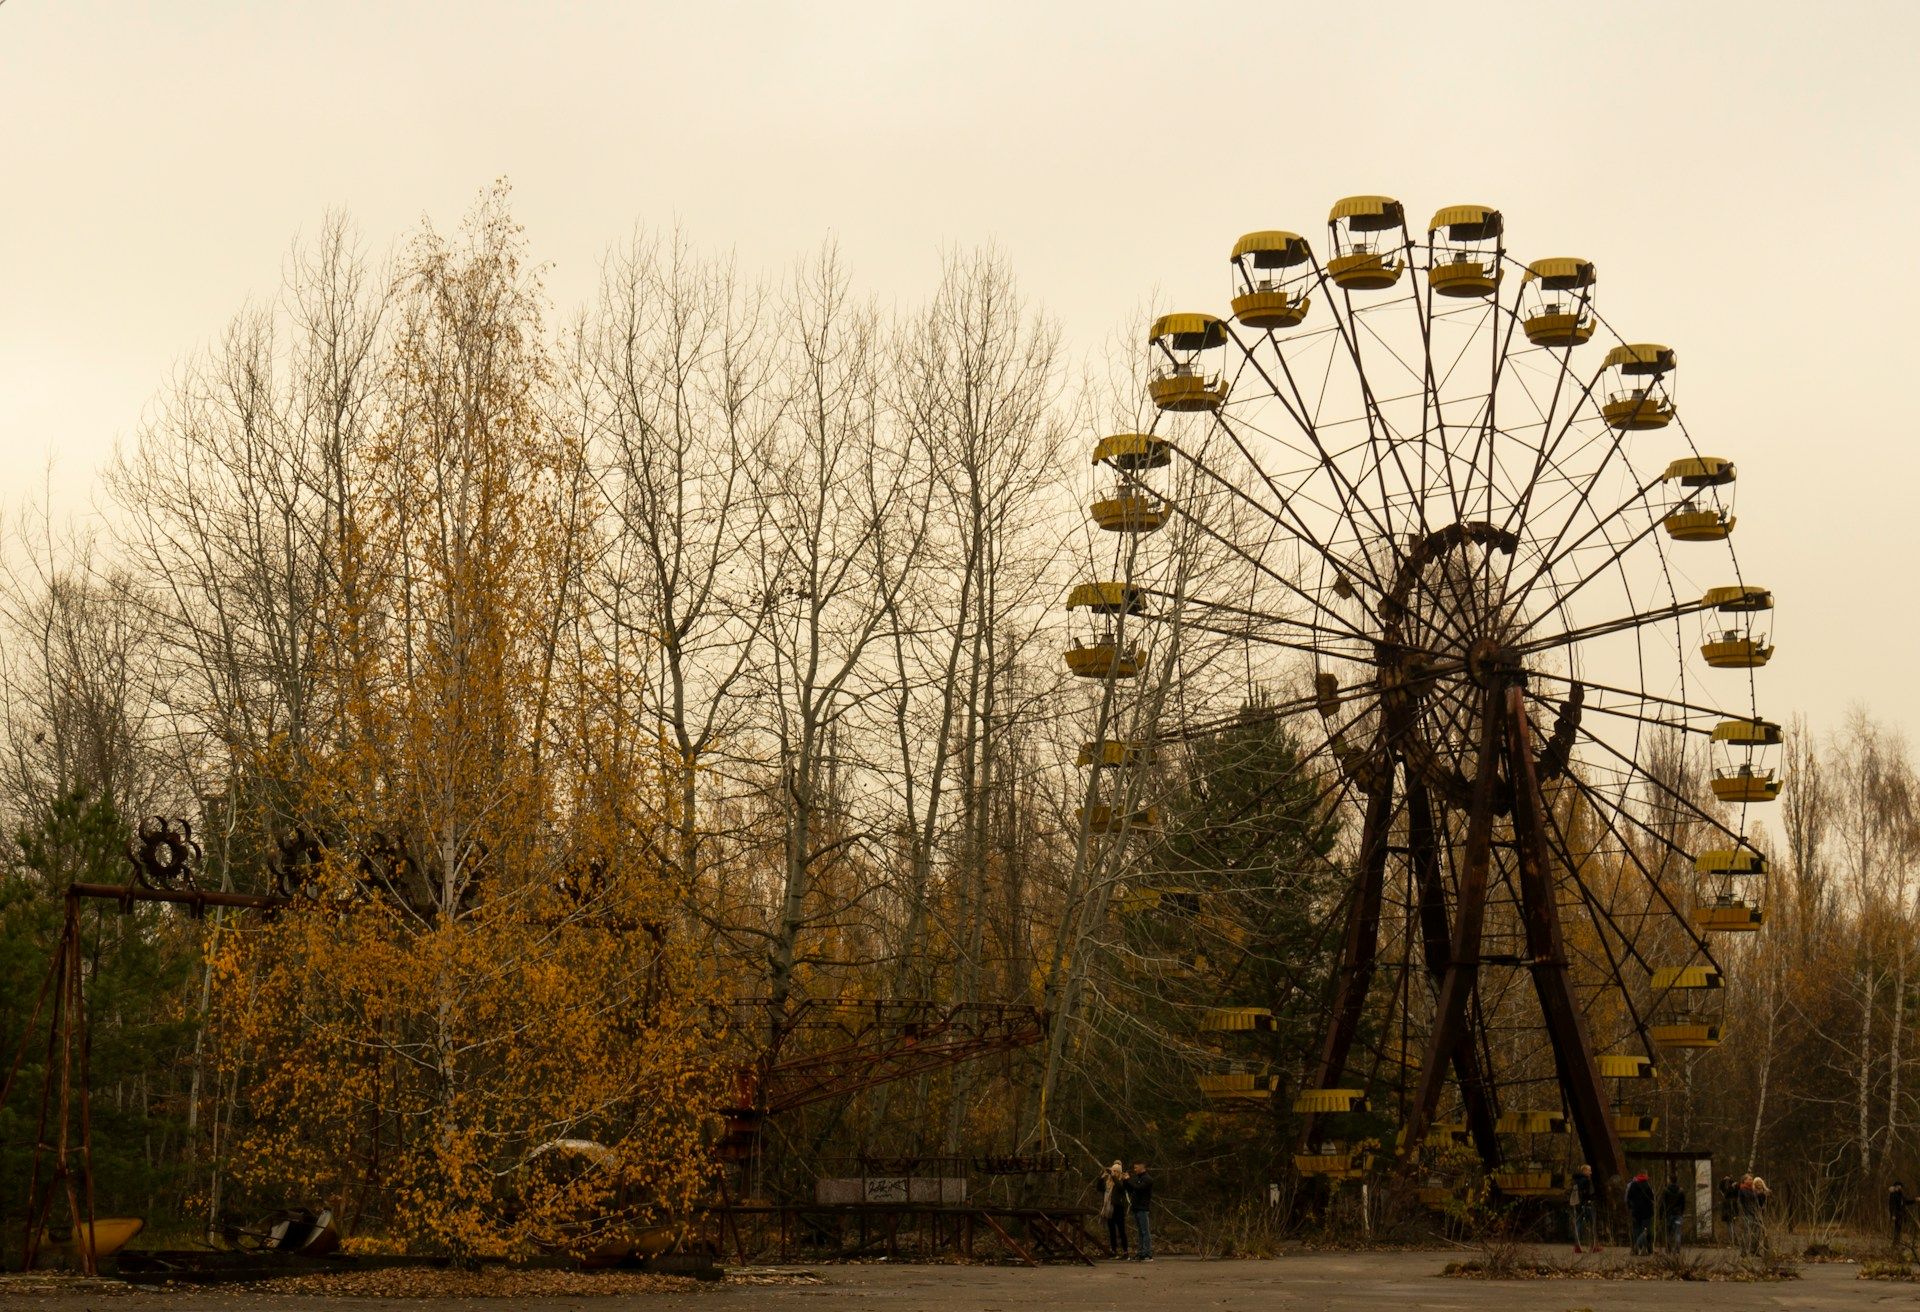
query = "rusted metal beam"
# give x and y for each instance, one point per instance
(1463, 959)
(1423, 849)
(127, 894)
(1546, 949)
(1361, 946)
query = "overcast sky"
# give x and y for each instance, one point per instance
(1744, 176)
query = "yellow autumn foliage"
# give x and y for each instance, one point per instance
(472, 1030)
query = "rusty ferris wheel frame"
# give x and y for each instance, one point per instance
(1509, 568)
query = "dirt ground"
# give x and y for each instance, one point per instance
(1312, 1282)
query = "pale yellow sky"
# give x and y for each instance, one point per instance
(1743, 174)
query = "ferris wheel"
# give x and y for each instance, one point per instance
(1471, 530)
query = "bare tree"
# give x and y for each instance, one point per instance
(680, 395)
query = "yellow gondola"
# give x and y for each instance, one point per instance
(1531, 1183)
(1747, 733)
(1107, 598)
(1530, 1123)
(1104, 660)
(1327, 1102)
(1736, 651)
(1115, 753)
(1730, 861)
(1727, 915)
(1690, 524)
(1737, 599)
(1634, 404)
(1624, 1066)
(1633, 1125)
(1700, 471)
(1335, 1161)
(1555, 318)
(1235, 1020)
(104, 1236)
(1467, 262)
(1130, 512)
(1267, 296)
(1747, 785)
(1103, 819)
(1182, 382)
(1685, 1035)
(1133, 451)
(1360, 261)
(1687, 978)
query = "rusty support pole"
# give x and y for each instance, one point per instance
(1362, 938)
(1359, 947)
(1547, 957)
(1424, 851)
(1463, 959)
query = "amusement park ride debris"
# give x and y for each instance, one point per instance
(820, 1048)
(164, 857)
(855, 1045)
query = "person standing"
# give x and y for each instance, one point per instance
(1761, 1195)
(1640, 1212)
(1730, 1207)
(1673, 1208)
(1897, 1209)
(1140, 1199)
(1113, 1209)
(1580, 1197)
(1746, 1224)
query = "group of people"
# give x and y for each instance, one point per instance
(1641, 1210)
(1743, 1207)
(1126, 1194)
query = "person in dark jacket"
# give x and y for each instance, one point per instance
(1113, 1209)
(1580, 1197)
(1640, 1212)
(1729, 1204)
(1897, 1208)
(1673, 1211)
(1140, 1198)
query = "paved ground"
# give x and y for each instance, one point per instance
(1335, 1282)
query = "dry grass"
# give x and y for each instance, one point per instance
(1504, 1259)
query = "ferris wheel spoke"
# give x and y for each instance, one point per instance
(1618, 625)
(1549, 447)
(1605, 929)
(1614, 446)
(1248, 634)
(1298, 525)
(1639, 695)
(1634, 772)
(1487, 435)
(1349, 493)
(1379, 429)
(1600, 526)
(1260, 566)
(1656, 891)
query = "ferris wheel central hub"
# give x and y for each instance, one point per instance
(1491, 663)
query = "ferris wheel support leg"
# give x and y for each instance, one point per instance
(1424, 851)
(1572, 1052)
(1361, 947)
(1463, 958)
